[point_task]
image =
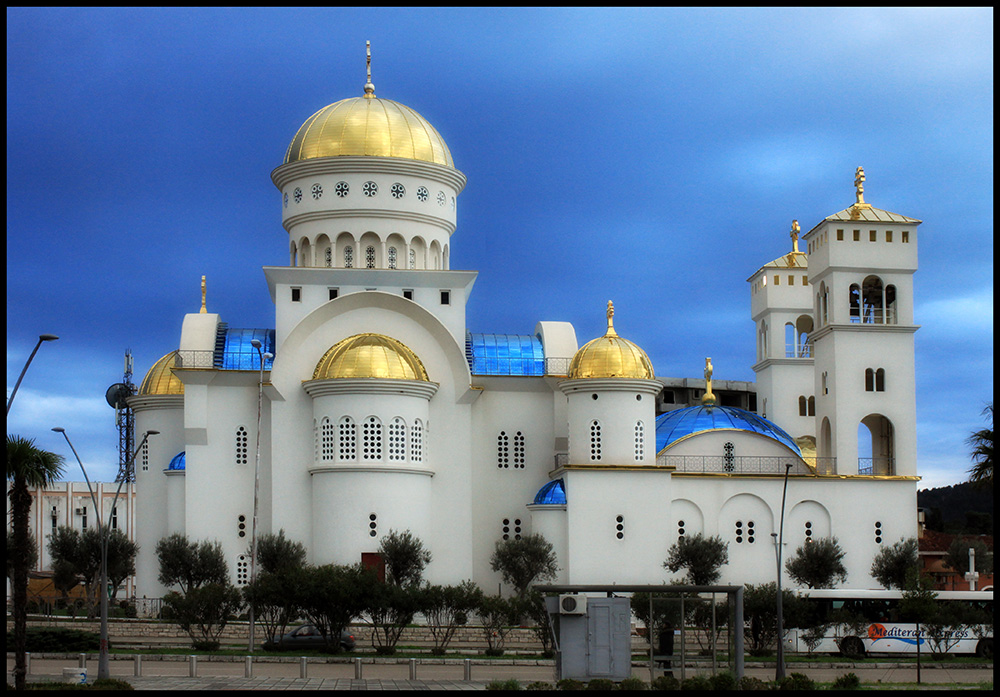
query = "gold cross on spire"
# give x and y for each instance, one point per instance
(708, 399)
(369, 87)
(204, 310)
(795, 236)
(859, 185)
(611, 326)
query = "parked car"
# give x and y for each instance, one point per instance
(308, 637)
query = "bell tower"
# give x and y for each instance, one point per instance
(861, 266)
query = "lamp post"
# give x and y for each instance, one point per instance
(779, 670)
(41, 338)
(256, 483)
(103, 665)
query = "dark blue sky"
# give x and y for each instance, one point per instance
(654, 157)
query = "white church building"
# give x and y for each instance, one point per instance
(381, 410)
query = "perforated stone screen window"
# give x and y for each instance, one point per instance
(297, 195)
(441, 198)
(417, 442)
(317, 191)
(397, 440)
(370, 257)
(370, 189)
(398, 190)
(371, 439)
(348, 257)
(503, 456)
(639, 441)
(348, 436)
(595, 441)
(342, 189)
(241, 446)
(327, 440)
(422, 193)
(519, 450)
(392, 257)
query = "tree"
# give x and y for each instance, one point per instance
(982, 452)
(77, 555)
(498, 616)
(818, 563)
(389, 608)
(405, 558)
(701, 556)
(958, 555)
(760, 610)
(892, 564)
(27, 467)
(204, 611)
(275, 599)
(332, 597)
(276, 553)
(190, 564)
(447, 608)
(522, 562)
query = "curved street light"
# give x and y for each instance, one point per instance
(779, 537)
(256, 482)
(41, 338)
(104, 662)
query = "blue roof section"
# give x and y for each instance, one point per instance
(238, 354)
(179, 461)
(554, 492)
(505, 354)
(674, 425)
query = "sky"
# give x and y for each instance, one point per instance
(653, 157)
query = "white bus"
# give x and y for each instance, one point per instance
(878, 629)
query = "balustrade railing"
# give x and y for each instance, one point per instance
(876, 466)
(798, 351)
(557, 366)
(221, 360)
(747, 464)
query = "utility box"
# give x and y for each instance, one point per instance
(595, 643)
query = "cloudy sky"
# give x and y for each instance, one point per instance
(655, 157)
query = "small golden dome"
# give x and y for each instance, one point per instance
(368, 126)
(611, 356)
(160, 380)
(370, 356)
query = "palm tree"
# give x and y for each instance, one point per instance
(27, 467)
(982, 452)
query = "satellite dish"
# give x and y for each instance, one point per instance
(117, 394)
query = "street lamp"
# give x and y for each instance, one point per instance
(43, 337)
(779, 671)
(103, 665)
(256, 482)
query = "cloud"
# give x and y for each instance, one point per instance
(952, 316)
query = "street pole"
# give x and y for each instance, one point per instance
(104, 660)
(779, 671)
(43, 337)
(256, 485)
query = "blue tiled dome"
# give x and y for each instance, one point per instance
(675, 425)
(178, 462)
(554, 493)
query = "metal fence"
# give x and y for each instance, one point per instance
(876, 466)
(745, 464)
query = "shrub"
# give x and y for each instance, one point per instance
(723, 681)
(601, 684)
(665, 682)
(207, 645)
(569, 684)
(504, 685)
(796, 681)
(696, 682)
(632, 683)
(111, 684)
(748, 682)
(58, 640)
(847, 682)
(539, 686)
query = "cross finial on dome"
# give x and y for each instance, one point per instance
(708, 399)
(859, 187)
(795, 235)
(369, 87)
(611, 314)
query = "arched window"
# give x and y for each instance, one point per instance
(869, 380)
(890, 304)
(327, 438)
(348, 439)
(876, 446)
(872, 301)
(417, 442)
(413, 259)
(802, 405)
(397, 440)
(880, 380)
(371, 440)
(640, 441)
(241, 446)
(824, 303)
(349, 257)
(790, 340)
(369, 257)
(392, 257)
(292, 255)
(519, 450)
(812, 406)
(503, 442)
(328, 256)
(595, 441)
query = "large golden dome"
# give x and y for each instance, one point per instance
(160, 380)
(611, 356)
(370, 356)
(368, 126)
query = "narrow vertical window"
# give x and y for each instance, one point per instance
(595, 441)
(417, 442)
(413, 259)
(114, 517)
(812, 406)
(145, 456)
(241, 446)
(348, 257)
(729, 457)
(880, 380)
(519, 450)
(370, 257)
(371, 434)
(397, 440)
(802, 405)
(327, 440)
(348, 436)
(328, 257)
(503, 460)
(640, 441)
(869, 380)
(392, 257)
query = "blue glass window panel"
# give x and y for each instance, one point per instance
(239, 354)
(504, 354)
(674, 425)
(553, 492)
(179, 461)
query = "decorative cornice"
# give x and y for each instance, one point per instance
(611, 385)
(855, 327)
(150, 402)
(348, 164)
(312, 216)
(381, 469)
(338, 386)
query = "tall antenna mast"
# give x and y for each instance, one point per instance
(117, 396)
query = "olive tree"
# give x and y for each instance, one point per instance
(702, 558)
(894, 563)
(818, 563)
(405, 558)
(523, 561)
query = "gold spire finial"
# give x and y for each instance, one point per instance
(611, 314)
(369, 87)
(859, 185)
(708, 399)
(204, 310)
(795, 236)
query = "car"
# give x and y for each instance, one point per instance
(308, 637)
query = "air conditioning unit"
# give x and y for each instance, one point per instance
(570, 604)
(80, 511)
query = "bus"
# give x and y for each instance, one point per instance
(877, 628)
